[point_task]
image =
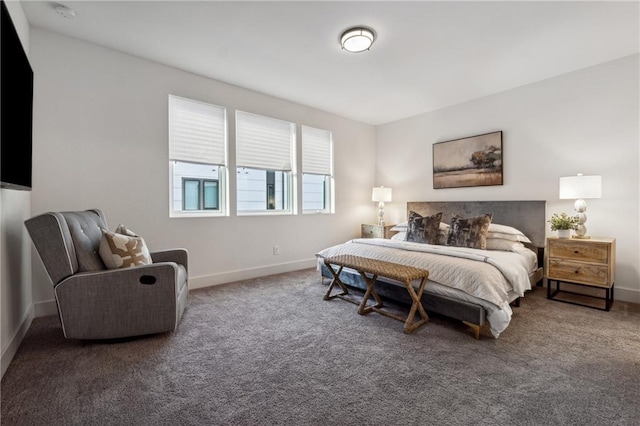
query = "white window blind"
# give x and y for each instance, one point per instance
(197, 132)
(263, 142)
(316, 151)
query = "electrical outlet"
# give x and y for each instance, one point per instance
(276, 250)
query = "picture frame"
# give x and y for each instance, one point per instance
(470, 161)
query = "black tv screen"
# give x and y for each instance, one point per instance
(16, 108)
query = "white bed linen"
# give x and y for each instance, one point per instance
(461, 273)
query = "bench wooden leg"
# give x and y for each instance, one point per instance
(371, 291)
(334, 281)
(409, 324)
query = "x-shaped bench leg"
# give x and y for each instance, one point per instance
(409, 324)
(336, 280)
(371, 291)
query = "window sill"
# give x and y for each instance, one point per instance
(181, 215)
(265, 213)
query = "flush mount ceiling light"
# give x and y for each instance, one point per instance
(357, 39)
(64, 11)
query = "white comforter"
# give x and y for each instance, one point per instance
(490, 276)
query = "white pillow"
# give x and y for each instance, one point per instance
(400, 236)
(502, 244)
(506, 233)
(401, 227)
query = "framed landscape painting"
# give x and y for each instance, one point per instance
(472, 161)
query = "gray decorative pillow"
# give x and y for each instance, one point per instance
(469, 232)
(443, 234)
(123, 249)
(423, 229)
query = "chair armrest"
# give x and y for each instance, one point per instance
(179, 256)
(119, 302)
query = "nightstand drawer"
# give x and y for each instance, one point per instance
(371, 231)
(566, 270)
(582, 252)
(376, 231)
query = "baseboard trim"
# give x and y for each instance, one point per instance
(626, 295)
(10, 351)
(245, 274)
(45, 309)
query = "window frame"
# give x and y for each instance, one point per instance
(289, 176)
(328, 181)
(222, 201)
(287, 193)
(222, 169)
(327, 195)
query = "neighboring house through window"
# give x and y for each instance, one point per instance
(200, 194)
(197, 158)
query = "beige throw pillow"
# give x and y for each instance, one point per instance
(123, 249)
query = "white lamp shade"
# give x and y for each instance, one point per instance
(580, 187)
(381, 194)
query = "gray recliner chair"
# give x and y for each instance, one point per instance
(96, 303)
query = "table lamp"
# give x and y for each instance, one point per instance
(578, 188)
(381, 194)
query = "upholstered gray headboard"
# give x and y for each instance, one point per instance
(527, 216)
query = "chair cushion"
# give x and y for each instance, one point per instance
(85, 229)
(182, 277)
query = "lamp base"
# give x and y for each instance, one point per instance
(381, 213)
(581, 237)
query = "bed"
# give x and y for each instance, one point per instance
(477, 287)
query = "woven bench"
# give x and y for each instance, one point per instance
(380, 268)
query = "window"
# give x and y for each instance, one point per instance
(200, 194)
(317, 171)
(197, 158)
(265, 148)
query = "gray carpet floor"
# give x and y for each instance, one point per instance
(270, 351)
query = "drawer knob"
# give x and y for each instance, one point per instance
(577, 271)
(576, 251)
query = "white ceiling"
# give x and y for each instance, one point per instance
(428, 55)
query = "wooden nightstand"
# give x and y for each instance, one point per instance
(588, 263)
(376, 231)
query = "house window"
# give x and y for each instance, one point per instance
(265, 149)
(197, 158)
(317, 171)
(200, 194)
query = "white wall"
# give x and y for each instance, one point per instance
(585, 121)
(100, 140)
(16, 310)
